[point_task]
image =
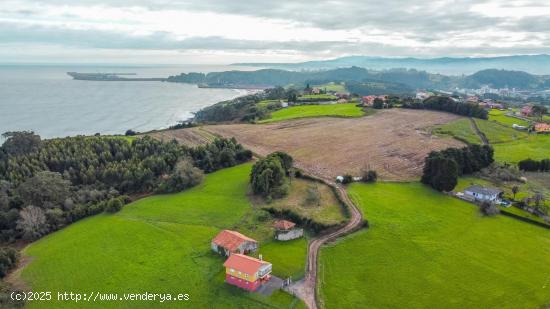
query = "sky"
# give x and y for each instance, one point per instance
(224, 31)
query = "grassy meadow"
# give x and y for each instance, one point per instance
(510, 145)
(159, 244)
(338, 87)
(428, 250)
(328, 211)
(460, 129)
(306, 111)
(500, 117)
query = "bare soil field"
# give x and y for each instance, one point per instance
(392, 142)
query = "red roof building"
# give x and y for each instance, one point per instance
(542, 127)
(227, 242)
(284, 225)
(246, 272)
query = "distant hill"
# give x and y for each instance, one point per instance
(534, 64)
(502, 78)
(364, 82)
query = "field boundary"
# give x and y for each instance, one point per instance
(524, 219)
(481, 135)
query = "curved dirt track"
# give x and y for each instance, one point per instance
(309, 289)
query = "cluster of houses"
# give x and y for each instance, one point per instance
(244, 271)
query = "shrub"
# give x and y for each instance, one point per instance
(298, 174)
(130, 133)
(489, 209)
(113, 205)
(313, 196)
(8, 260)
(347, 179)
(184, 176)
(534, 166)
(369, 176)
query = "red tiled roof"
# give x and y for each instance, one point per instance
(284, 225)
(243, 263)
(231, 240)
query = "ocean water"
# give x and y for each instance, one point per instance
(44, 99)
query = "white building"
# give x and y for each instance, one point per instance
(480, 193)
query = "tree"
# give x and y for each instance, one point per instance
(286, 160)
(369, 176)
(539, 111)
(8, 259)
(440, 172)
(19, 143)
(184, 176)
(347, 179)
(515, 190)
(313, 196)
(268, 175)
(378, 103)
(489, 209)
(130, 132)
(45, 189)
(32, 222)
(114, 205)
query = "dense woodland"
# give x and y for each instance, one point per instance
(47, 184)
(446, 104)
(442, 168)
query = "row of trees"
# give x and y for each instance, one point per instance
(446, 104)
(534, 165)
(442, 168)
(45, 185)
(269, 176)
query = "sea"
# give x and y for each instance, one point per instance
(44, 99)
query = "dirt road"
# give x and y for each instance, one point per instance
(307, 288)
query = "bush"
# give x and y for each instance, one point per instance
(113, 205)
(313, 196)
(185, 176)
(347, 179)
(298, 174)
(369, 176)
(8, 260)
(130, 133)
(489, 209)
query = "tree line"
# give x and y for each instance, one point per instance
(531, 165)
(442, 168)
(47, 184)
(446, 104)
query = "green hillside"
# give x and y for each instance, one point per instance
(159, 244)
(307, 111)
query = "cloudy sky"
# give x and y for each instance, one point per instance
(225, 31)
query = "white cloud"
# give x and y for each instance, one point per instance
(292, 30)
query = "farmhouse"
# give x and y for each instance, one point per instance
(369, 99)
(247, 272)
(480, 193)
(527, 110)
(542, 128)
(286, 230)
(227, 242)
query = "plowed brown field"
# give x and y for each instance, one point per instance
(392, 142)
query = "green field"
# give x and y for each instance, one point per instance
(320, 97)
(510, 145)
(536, 147)
(305, 111)
(424, 249)
(341, 87)
(498, 133)
(460, 129)
(328, 211)
(500, 117)
(159, 244)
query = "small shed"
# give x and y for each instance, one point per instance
(228, 242)
(287, 230)
(480, 193)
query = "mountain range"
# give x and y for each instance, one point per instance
(534, 64)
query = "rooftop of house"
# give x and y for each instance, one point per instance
(230, 239)
(244, 263)
(482, 190)
(541, 126)
(284, 225)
